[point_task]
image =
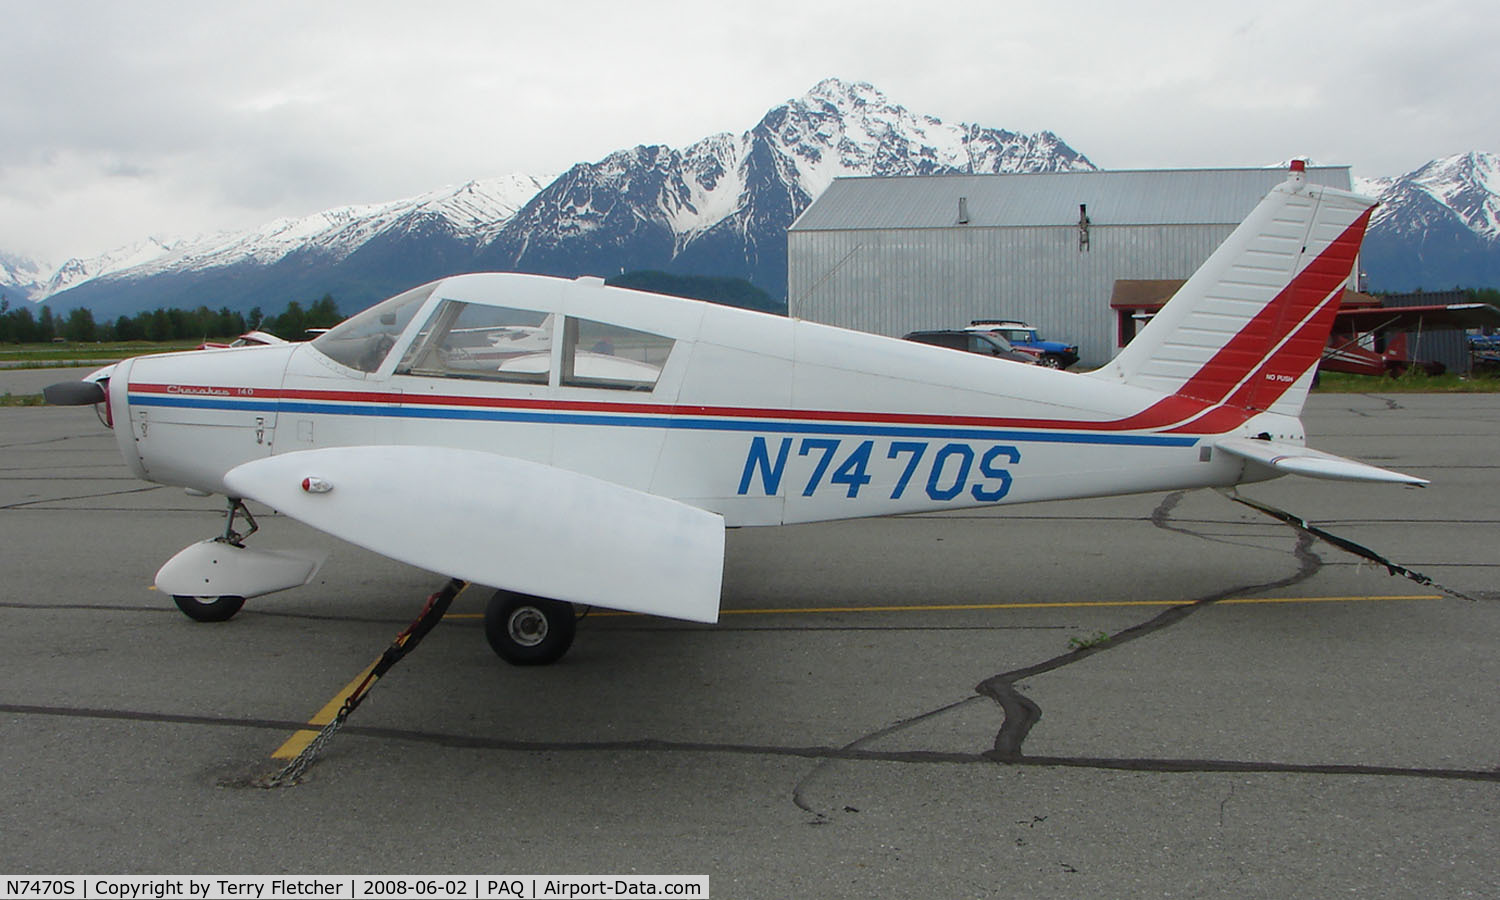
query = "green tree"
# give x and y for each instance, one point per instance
(158, 325)
(180, 325)
(79, 325)
(25, 330)
(291, 324)
(324, 313)
(228, 323)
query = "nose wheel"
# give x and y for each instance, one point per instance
(528, 631)
(209, 609)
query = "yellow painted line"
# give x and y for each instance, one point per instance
(1331, 599)
(969, 607)
(299, 741)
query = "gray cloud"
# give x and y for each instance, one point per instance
(125, 120)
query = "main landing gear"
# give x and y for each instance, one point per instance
(528, 631)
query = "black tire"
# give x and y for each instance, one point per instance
(209, 609)
(528, 631)
(1051, 361)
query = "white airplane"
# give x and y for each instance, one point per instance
(601, 465)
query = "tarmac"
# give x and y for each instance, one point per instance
(1157, 695)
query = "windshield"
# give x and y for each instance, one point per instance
(364, 340)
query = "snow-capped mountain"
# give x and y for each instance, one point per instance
(719, 207)
(722, 205)
(21, 278)
(1437, 227)
(290, 248)
(143, 253)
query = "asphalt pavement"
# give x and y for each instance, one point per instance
(1161, 695)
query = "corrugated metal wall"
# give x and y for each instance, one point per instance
(899, 280)
(1449, 346)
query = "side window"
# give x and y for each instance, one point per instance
(597, 354)
(474, 340)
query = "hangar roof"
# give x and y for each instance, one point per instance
(1134, 197)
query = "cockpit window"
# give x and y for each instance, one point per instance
(364, 340)
(474, 340)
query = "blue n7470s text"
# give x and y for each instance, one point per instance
(949, 470)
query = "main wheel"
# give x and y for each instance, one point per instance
(528, 631)
(209, 609)
(1052, 361)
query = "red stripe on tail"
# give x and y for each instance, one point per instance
(1254, 350)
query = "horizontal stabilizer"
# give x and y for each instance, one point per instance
(504, 522)
(1299, 460)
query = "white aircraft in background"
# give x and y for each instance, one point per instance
(570, 443)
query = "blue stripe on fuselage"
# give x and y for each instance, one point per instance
(691, 423)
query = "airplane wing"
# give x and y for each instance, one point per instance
(1299, 460)
(503, 522)
(1405, 318)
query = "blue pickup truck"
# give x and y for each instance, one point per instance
(1053, 354)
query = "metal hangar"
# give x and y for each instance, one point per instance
(898, 254)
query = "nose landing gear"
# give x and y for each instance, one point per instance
(210, 580)
(220, 608)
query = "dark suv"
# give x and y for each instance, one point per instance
(982, 342)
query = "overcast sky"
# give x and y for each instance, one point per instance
(124, 120)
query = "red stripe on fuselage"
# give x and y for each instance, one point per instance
(1168, 411)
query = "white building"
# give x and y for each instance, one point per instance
(892, 255)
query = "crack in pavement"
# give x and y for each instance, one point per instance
(1389, 405)
(823, 753)
(95, 496)
(61, 439)
(1021, 713)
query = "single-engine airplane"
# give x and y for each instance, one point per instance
(570, 443)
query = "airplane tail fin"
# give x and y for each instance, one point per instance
(1247, 329)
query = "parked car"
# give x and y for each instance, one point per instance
(1052, 354)
(980, 342)
(1484, 350)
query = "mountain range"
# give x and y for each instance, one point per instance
(719, 207)
(1437, 227)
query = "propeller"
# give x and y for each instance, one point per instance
(74, 393)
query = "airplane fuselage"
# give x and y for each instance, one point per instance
(762, 419)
